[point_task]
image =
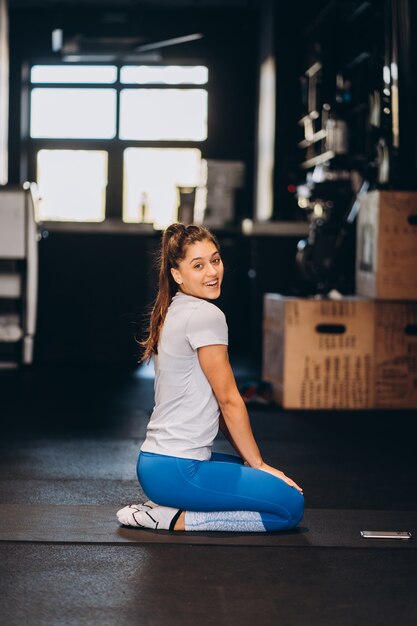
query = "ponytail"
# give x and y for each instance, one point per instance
(175, 240)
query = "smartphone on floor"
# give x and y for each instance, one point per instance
(386, 534)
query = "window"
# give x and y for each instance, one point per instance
(73, 74)
(73, 113)
(168, 75)
(72, 184)
(163, 114)
(145, 198)
(117, 141)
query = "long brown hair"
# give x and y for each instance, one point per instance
(175, 240)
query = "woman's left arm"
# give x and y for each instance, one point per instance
(215, 364)
(226, 432)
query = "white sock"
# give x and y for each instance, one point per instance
(159, 517)
(126, 516)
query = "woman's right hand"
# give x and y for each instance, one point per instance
(276, 472)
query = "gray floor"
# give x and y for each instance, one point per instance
(71, 438)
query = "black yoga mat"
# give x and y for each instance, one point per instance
(98, 524)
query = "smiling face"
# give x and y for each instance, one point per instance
(200, 273)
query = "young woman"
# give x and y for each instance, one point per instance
(190, 487)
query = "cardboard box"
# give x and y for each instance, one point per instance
(386, 250)
(396, 354)
(318, 354)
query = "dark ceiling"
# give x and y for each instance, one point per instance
(56, 4)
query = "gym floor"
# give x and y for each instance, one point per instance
(70, 436)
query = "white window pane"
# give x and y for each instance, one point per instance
(163, 114)
(73, 113)
(73, 74)
(72, 184)
(151, 176)
(164, 74)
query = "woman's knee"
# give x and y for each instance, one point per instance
(296, 507)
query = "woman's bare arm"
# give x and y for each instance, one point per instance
(215, 364)
(226, 433)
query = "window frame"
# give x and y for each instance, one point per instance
(115, 147)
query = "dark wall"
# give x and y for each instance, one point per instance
(4, 89)
(95, 291)
(95, 288)
(229, 49)
(288, 18)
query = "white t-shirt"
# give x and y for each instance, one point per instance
(185, 419)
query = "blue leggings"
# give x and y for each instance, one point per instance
(221, 484)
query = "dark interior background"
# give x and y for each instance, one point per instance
(95, 287)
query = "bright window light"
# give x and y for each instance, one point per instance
(163, 114)
(73, 74)
(73, 113)
(151, 176)
(164, 74)
(72, 185)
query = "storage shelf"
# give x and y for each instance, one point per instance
(318, 136)
(313, 115)
(317, 160)
(313, 69)
(275, 228)
(107, 226)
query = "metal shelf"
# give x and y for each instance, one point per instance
(313, 115)
(317, 160)
(313, 69)
(318, 136)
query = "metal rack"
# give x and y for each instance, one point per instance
(18, 274)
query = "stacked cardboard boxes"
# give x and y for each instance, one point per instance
(386, 251)
(395, 354)
(359, 352)
(318, 354)
(386, 270)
